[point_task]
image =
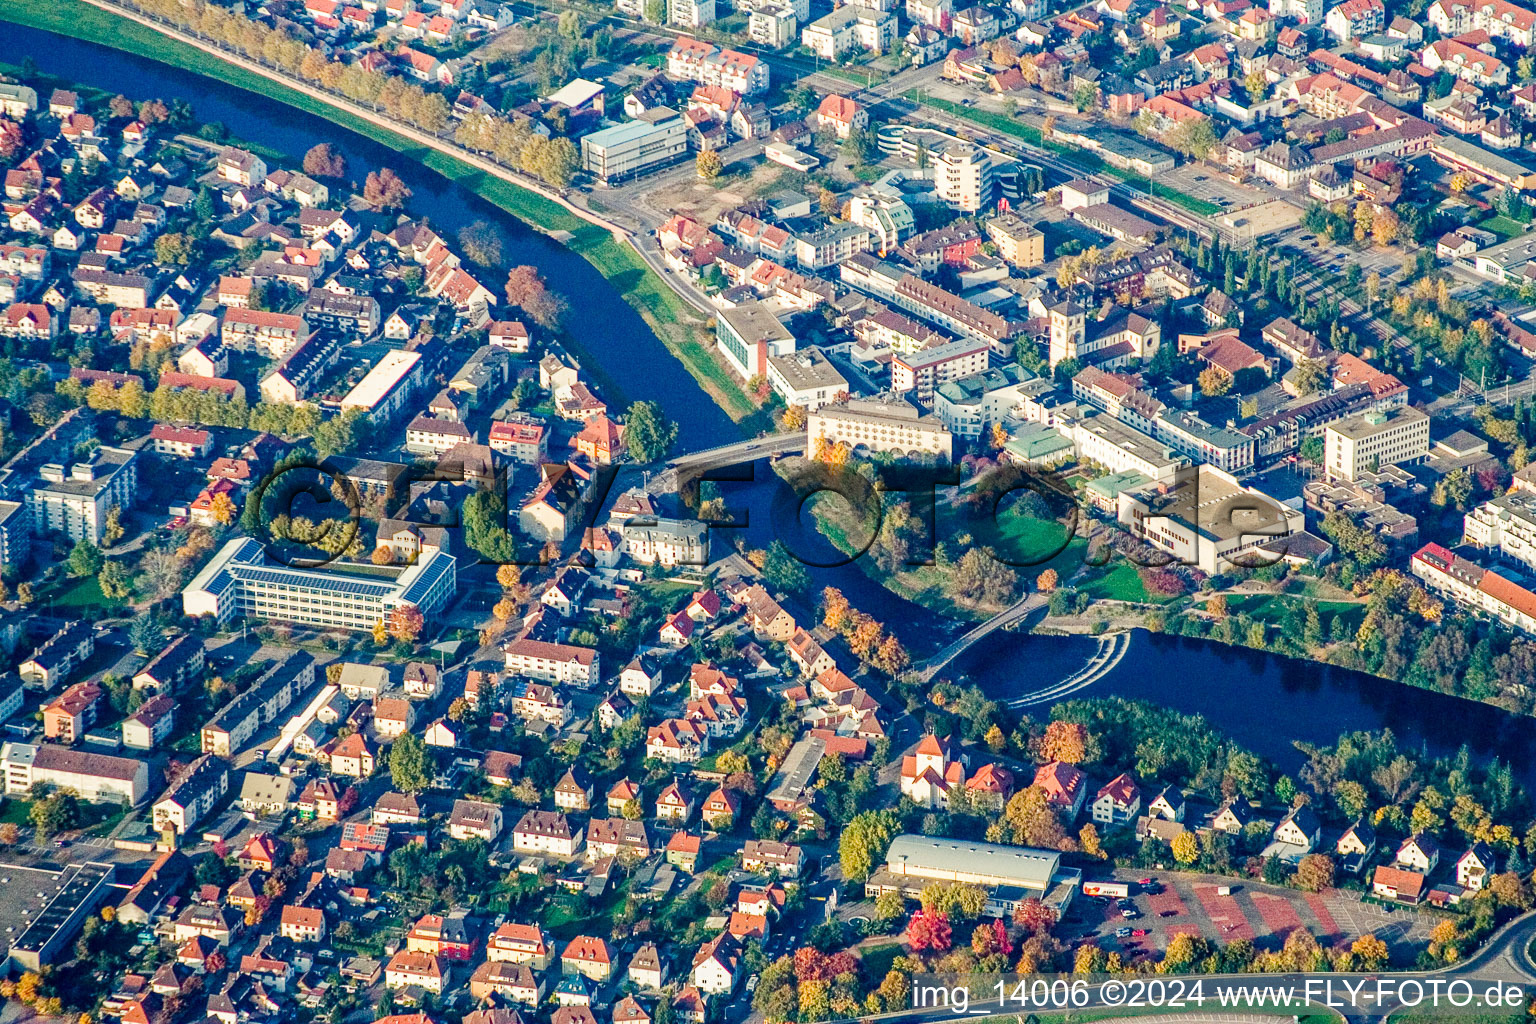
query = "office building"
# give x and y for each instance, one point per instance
(749, 335)
(805, 378)
(962, 176)
(1381, 437)
(657, 138)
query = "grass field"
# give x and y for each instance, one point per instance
(80, 593)
(1087, 161)
(678, 326)
(1270, 608)
(1503, 226)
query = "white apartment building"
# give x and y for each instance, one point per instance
(100, 778)
(76, 502)
(1468, 583)
(553, 663)
(1307, 12)
(970, 405)
(692, 14)
(1205, 518)
(883, 424)
(1382, 437)
(656, 540)
(773, 26)
(383, 390)
(962, 176)
(241, 581)
(927, 368)
(694, 60)
(1507, 524)
(1499, 18)
(1120, 447)
(849, 28)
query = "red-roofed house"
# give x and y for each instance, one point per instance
(842, 115)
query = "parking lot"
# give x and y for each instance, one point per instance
(1211, 185)
(1263, 914)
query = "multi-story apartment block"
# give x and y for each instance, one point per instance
(193, 796)
(295, 378)
(1499, 18)
(384, 389)
(553, 663)
(773, 26)
(690, 14)
(58, 656)
(275, 334)
(241, 581)
(805, 378)
(260, 705)
(963, 176)
(75, 502)
(970, 405)
(1017, 241)
(927, 368)
(1355, 19)
(954, 314)
(1469, 584)
(656, 540)
(694, 60)
(1506, 524)
(848, 28)
(1382, 437)
(100, 778)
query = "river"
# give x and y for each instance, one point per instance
(631, 357)
(1263, 701)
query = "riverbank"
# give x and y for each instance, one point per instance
(676, 324)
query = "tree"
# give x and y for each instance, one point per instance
(385, 190)
(482, 242)
(11, 138)
(526, 289)
(648, 432)
(1213, 382)
(222, 508)
(708, 164)
(1029, 820)
(1186, 848)
(114, 581)
(1088, 839)
(173, 248)
(1371, 953)
(112, 528)
(85, 559)
(325, 161)
(864, 841)
(1047, 581)
(1309, 376)
(782, 571)
(1314, 872)
(55, 812)
(410, 764)
(1034, 916)
(1194, 137)
(1066, 742)
(406, 622)
(929, 931)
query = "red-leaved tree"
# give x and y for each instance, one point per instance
(929, 930)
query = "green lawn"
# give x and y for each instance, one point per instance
(1503, 226)
(1270, 608)
(80, 593)
(877, 959)
(1121, 583)
(677, 324)
(1087, 161)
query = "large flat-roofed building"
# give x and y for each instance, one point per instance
(75, 500)
(971, 404)
(1120, 447)
(1507, 524)
(241, 580)
(806, 378)
(383, 390)
(657, 138)
(884, 424)
(1381, 437)
(100, 778)
(1205, 518)
(1483, 164)
(924, 370)
(749, 335)
(1011, 874)
(49, 934)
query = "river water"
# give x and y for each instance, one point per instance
(632, 359)
(1263, 701)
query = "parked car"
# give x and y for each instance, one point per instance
(1130, 912)
(1123, 933)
